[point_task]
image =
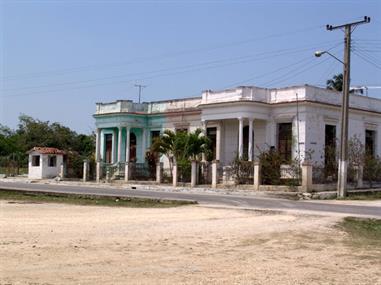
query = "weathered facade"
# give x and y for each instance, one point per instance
(299, 121)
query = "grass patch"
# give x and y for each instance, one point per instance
(366, 232)
(88, 200)
(363, 196)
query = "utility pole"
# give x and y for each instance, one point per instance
(140, 90)
(343, 160)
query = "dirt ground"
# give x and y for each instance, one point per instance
(66, 244)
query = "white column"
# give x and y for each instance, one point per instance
(240, 137)
(271, 133)
(250, 151)
(149, 139)
(120, 145)
(102, 143)
(214, 173)
(98, 144)
(257, 175)
(174, 175)
(193, 173)
(126, 172)
(113, 148)
(306, 177)
(127, 144)
(85, 170)
(98, 172)
(218, 142)
(62, 170)
(144, 134)
(159, 169)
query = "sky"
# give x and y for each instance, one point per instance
(58, 58)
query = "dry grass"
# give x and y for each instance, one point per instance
(51, 243)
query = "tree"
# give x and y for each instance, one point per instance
(197, 144)
(336, 83)
(31, 132)
(181, 147)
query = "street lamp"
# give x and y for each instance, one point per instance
(319, 53)
(342, 170)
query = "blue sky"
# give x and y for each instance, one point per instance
(58, 58)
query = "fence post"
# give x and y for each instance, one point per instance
(127, 172)
(98, 172)
(193, 173)
(359, 174)
(62, 171)
(306, 176)
(158, 172)
(214, 173)
(108, 177)
(85, 170)
(174, 175)
(257, 175)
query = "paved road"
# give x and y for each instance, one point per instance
(203, 198)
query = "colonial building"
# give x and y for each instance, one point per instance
(300, 121)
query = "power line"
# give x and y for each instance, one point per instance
(292, 73)
(267, 73)
(360, 55)
(327, 71)
(276, 70)
(239, 59)
(370, 56)
(156, 76)
(168, 55)
(130, 81)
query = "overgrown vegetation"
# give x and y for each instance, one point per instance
(35, 197)
(272, 172)
(32, 132)
(358, 158)
(243, 170)
(365, 232)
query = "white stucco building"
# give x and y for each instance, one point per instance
(296, 120)
(44, 162)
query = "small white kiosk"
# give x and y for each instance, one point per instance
(44, 162)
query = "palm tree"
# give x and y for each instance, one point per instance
(197, 143)
(181, 147)
(336, 83)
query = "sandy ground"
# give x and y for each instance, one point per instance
(66, 244)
